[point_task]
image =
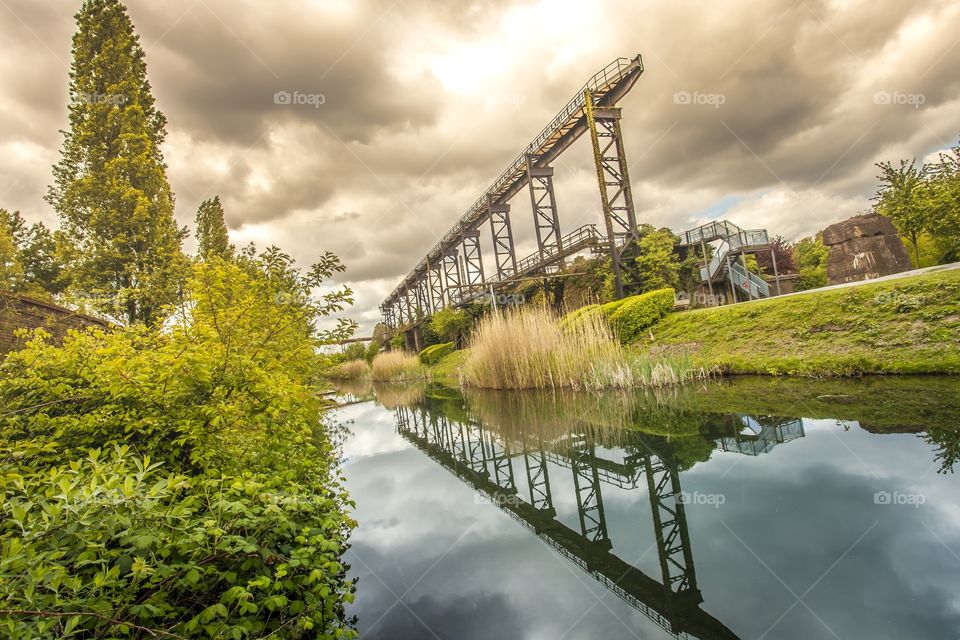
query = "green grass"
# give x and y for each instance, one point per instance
(904, 326)
(448, 367)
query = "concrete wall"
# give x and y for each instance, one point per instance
(19, 312)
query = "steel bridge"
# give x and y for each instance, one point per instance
(475, 455)
(452, 272)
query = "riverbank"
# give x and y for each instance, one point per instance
(907, 325)
(903, 326)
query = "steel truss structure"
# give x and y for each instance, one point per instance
(485, 461)
(591, 110)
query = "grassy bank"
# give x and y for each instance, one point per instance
(909, 325)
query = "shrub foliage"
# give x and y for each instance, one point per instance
(637, 313)
(178, 482)
(435, 353)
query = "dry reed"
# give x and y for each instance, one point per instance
(528, 348)
(350, 370)
(394, 366)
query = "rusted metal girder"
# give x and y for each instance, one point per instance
(472, 261)
(451, 273)
(616, 196)
(545, 218)
(606, 87)
(502, 235)
(435, 288)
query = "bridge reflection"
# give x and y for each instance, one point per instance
(510, 460)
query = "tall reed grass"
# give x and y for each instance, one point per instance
(350, 370)
(394, 366)
(528, 348)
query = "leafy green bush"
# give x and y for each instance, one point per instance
(610, 308)
(435, 353)
(637, 313)
(230, 518)
(115, 545)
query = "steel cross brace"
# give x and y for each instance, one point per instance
(502, 234)
(616, 195)
(472, 260)
(545, 218)
(451, 273)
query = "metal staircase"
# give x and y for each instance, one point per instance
(733, 242)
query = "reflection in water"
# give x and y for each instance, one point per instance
(501, 445)
(800, 500)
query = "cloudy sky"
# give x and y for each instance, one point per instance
(412, 107)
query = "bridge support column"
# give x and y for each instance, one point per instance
(472, 261)
(538, 479)
(420, 305)
(502, 234)
(545, 218)
(586, 480)
(435, 280)
(451, 273)
(407, 306)
(670, 527)
(616, 196)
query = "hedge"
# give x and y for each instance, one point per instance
(578, 314)
(435, 353)
(638, 313)
(610, 308)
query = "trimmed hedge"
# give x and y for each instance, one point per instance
(610, 308)
(637, 313)
(435, 353)
(578, 314)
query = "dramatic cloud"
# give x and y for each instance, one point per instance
(367, 127)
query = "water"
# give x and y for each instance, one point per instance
(753, 509)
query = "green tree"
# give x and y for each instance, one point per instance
(11, 271)
(810, 255)
(657, 263)
(36, 261)
(944, 222)
(212, 237)
(904, 197)
(110, 185)
(45, 259)
(451, 323)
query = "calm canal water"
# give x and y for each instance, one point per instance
(749, 509)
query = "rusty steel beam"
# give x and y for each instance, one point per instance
(502, 235)
(616, 195)
(607, 87)
(543, 202)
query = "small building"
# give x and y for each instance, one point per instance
(22, 312)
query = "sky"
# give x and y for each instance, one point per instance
(770, 114)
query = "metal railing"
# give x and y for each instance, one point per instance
(600, 83)
(746, 281)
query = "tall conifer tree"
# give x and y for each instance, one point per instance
(110, 186)
(212, 237)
